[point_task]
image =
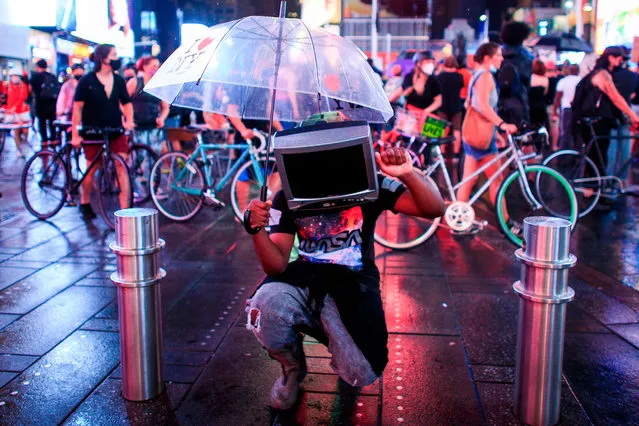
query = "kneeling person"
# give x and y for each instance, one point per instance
(332, 291)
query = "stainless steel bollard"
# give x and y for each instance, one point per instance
(544, 293)
(137, 247)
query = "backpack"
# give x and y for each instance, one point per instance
(49, 88)
(589, 101)
(512, 106)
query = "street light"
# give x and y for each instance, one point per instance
(483, 18)
(569, 4)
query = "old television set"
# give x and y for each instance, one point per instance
(327, 165)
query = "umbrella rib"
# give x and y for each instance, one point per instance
(319, 87)
(215, 50)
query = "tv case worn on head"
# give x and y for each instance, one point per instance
(324, 137)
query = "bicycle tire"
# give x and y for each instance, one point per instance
(54, 169)
(239, 203)
(140, 161)
(405, 223)
(109, 188)
(568, 163)
(162, 191)
(3, 137)
(555, 184)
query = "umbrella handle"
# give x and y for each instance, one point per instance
(247, 223)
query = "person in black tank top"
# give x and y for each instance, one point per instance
(149, 111)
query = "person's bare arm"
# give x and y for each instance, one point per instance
(603, 81)
(76, 120)
(131, 85)
(273, 251)
(421, 199)
(557, 103)
(127, 109)
(437, 103)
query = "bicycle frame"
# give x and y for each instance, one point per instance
(512, 153)
(201, 153)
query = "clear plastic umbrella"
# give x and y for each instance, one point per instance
(264, 68)
(235, 68)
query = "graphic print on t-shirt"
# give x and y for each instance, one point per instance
(332, 238)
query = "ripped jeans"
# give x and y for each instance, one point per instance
(278, 311)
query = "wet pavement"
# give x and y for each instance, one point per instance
(450, 309)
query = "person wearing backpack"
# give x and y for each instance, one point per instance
(515, 74)
(597, 96)
(45, 88)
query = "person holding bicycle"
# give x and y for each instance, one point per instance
(483, 97)
(150, 112)
(332, 291)
(101, 99)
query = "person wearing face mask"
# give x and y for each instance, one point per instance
(17, 111)
(149, 111)
(64, 105)
(129, 71)
(420, 87)
(101, 99)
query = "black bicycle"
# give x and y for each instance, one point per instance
(47, 183)
(587, 177)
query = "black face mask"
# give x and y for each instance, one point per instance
(115, 64)
(128, 78)
(77, 77)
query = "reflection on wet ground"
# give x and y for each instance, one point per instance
(450, 310)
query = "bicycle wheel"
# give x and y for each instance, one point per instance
(141, 160)
(513, 204)
(3, 136)
(43, 184)
(113, 193)
(176, 186)
(247, 183)
(583, 175)
(403, 232)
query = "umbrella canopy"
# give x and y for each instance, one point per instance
(564, 42)
(234, 68)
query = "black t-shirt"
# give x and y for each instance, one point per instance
(337, 257)
(37, 79)
(100, 111)
(451, 84)
(343, 237)
(431, 90)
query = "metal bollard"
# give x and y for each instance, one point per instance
(544, 293)
(137, 247)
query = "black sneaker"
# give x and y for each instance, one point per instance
(87, 212)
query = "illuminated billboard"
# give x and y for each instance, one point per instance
(39, 13)
(387, 8)
(318, 13)
(106, 21)
(617, 23)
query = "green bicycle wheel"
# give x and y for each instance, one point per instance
(177, 186)
(513, 205)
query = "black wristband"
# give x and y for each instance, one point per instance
(501, 124)
(247, 223)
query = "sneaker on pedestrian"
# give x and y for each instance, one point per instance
(87, 212)
(286, 388)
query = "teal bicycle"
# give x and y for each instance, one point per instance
(182, 184)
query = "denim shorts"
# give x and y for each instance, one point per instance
(478, 154)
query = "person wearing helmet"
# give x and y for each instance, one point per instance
(420, 87)
(17, 110)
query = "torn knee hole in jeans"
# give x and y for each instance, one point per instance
(254, 319)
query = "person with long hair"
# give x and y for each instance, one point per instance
(597, 96)
(150, 112)
(482, 96)
(539, 86)
(101, 99)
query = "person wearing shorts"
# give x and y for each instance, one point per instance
(100, 100)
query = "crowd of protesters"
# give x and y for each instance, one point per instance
(528, 91)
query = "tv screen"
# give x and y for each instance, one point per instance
(327, 173)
